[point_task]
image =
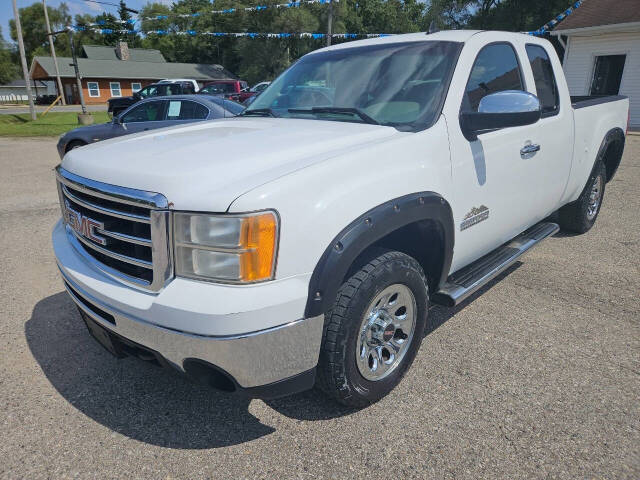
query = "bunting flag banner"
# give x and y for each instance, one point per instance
(193, 33)
(552, 23)
(257, 8)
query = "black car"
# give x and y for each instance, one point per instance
(152, 113)
(119, 104)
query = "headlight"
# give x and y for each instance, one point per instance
(226, 248)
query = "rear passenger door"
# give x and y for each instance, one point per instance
(185, 111)
(554, 129)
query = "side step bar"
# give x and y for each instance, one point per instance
(468, 280)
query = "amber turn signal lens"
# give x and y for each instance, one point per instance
(258, 240)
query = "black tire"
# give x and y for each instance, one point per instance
(338, 374)
(576, 217)
(74, 144)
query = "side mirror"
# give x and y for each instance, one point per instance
(510, 108)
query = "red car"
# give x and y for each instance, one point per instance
(237, 90)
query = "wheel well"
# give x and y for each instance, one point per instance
(422, 240)
(611, 151)
(74, 143)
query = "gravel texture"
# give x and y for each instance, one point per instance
(536, 376)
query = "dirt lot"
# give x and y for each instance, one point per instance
(537, 376)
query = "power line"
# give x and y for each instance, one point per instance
(113, 5)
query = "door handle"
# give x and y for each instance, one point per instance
(529, 149)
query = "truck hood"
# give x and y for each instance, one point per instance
(207, 165)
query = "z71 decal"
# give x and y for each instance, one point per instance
(476, 215)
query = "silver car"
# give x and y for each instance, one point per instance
(149, 114)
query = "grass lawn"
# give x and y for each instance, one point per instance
(52, 124)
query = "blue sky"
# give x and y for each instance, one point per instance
(75, 7)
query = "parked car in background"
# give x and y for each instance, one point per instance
(149, 114)
(195, 84)
(119, 104)
(259, 87)
(237, 90)
(45, 99)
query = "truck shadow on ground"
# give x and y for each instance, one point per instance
(158, 406)
(129, 396)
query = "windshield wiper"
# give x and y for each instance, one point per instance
(348, 110)
(263, 112)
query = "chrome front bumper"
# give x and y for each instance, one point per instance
(253, 359)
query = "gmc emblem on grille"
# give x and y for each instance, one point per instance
(84, 226)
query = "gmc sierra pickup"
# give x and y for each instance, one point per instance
(301, 243)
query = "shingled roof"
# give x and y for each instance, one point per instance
(105, 52)
(594, 13)
(42, 67)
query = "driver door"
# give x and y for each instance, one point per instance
(494, 182)
(143, 116)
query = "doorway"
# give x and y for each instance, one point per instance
(607, 74)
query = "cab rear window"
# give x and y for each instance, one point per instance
(545, 80)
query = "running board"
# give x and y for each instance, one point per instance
(468, 280)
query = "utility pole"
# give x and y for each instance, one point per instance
(330, 23)
(23, 59)
(84, 118)
(53, 52)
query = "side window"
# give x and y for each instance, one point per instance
(173, 89)
(146, 112)
(496, 69)
(186, 110)
(546, 87)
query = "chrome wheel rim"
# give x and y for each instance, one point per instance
(594, 198)
(386, 332)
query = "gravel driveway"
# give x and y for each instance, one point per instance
(536, 376)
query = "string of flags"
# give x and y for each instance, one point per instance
(552, 23)
(106, 31)
(257, 8)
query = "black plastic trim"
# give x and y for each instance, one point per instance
(591, 100)
(365, 231)
(615, 135)
(282, 388)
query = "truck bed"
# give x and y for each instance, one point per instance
(589, 100)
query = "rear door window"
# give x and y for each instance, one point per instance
(545, 80)
(186, 110)
(496, 69)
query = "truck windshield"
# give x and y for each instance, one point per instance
(400, 85)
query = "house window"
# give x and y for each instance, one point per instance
(115, 89)
(94, 89)
(135, 86)
(607, 74)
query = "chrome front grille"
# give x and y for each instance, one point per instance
(122, 231)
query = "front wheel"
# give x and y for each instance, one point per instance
(374, 329)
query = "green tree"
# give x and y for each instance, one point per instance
(34, 29)
(8, 62)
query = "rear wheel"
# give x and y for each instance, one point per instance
(579, 216)
(374, 329)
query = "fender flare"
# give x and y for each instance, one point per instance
(365, 231)
(613, 136)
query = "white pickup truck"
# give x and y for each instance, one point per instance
(301, 243)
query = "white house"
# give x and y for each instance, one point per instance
(602, 54)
